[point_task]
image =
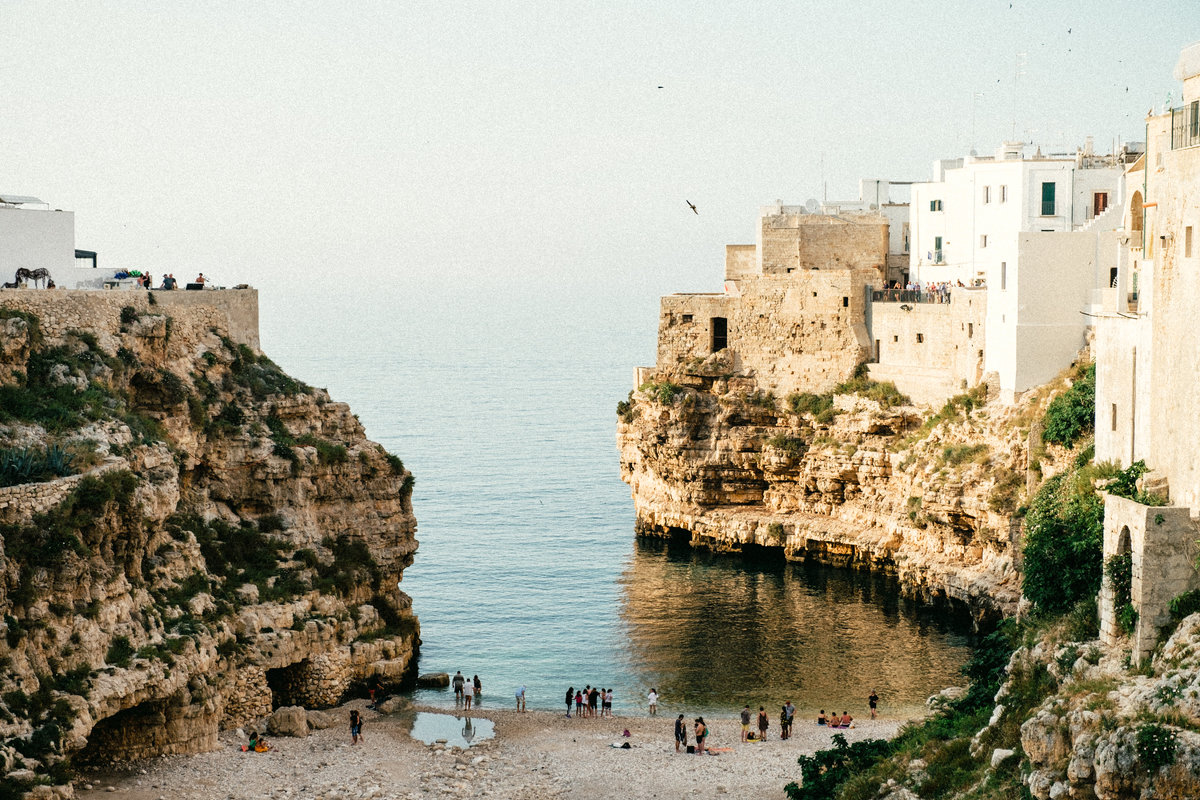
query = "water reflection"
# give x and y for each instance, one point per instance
(715, 632)
(429, 727)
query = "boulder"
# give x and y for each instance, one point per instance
(288, 721)
(320, 720)
(433, 680)
(389, 706)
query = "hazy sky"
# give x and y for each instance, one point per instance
(523, 144)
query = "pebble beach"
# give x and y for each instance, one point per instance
(537, 755)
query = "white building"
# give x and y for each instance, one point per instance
(34, 237)
(1038, 232)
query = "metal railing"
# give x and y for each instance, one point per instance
(1185, 125)
(909, 296)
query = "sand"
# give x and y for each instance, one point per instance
(534, 756)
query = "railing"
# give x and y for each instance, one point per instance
(908, 296)
(1185, 125)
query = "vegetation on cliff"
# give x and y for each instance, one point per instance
(202, 515)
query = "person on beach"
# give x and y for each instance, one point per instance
(821, 720)
(873, 702)
(652, 698)
(594, 702)
(579, 704)
(680, 734)
(478, 688)
(701, 735)
(468, 694)
(746, 723)
(355, 726)
(570, 699)
(846, 720)
(763, 723)
(783, 722)
(521, 700)
(791, 715)
(608, 695)
(457, 683)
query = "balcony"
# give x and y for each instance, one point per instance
(1185, 126)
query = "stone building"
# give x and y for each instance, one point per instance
(1147, 357)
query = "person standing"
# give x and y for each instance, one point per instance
(355, 726)
(873, 702)
(783, 723)
(457, 683)
(680, 734)
(521, 700)
(570, 699)
(791, 714)
(745, 723)
(763, 723)
(478, 688)
(608, 698)
(653, 700)
(468, 694)
(701, 735)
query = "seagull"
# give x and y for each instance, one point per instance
(691, 205)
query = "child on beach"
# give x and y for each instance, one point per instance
(570, 699)
(355, 726)
(652, 698)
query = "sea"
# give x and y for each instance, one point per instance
(502, 402)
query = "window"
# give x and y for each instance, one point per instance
(1114, 416)
(1099, 203)
(987, 194)
(983, 240)
(937, 250)
(720, 333)
(970, 329)
(1187, 242)
(906, 237)
(845, 302)
(1004, 194)
(920, 338)
(1048, 199)
(1003, 275)
(935, 205)
(687, 317)
(896, 338)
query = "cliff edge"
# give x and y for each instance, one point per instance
(189, 537)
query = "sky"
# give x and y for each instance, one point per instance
(529, 148)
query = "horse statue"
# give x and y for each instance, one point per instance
(35, 275)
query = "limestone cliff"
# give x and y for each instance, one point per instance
(200, 537)
(712, 456)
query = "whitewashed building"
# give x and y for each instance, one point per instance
(1038, 232)
(34, 237)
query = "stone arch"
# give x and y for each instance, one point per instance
(1135, 212)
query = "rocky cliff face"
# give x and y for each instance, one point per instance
(230, 540)
(841, 478)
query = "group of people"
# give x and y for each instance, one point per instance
(590, 701)
(466, 691)
(145, 280)
(787, 713)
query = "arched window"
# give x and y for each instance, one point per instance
(1135, 212)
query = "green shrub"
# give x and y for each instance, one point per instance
(33, 465)
(1003, 497)
(327, 451)
(826, 770)
(1156, 747)
(1119, 570)
(792, 445)
(625, 408)
(809, 403)
(957, 455)
(1073, 413)
(663, 392)
(394, 462)
(1185, 605)
(1064, 538)
(120, 652)
(129, 315)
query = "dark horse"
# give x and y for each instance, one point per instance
(34, 275)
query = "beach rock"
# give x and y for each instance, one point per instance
(320, 720)
(288, 721)
(433, 680)
(390, 706)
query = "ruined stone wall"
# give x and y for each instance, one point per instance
(741, 261)
(233, 312)
(803, 331)
(800, 242)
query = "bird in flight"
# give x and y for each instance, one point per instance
(691, 205)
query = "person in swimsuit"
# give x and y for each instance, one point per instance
(701, 735)
(821, 720)
(478, 688)
(763, 723)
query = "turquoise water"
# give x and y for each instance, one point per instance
(528, 572)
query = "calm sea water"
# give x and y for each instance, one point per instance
(503, 405)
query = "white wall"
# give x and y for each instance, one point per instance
(36, 239)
